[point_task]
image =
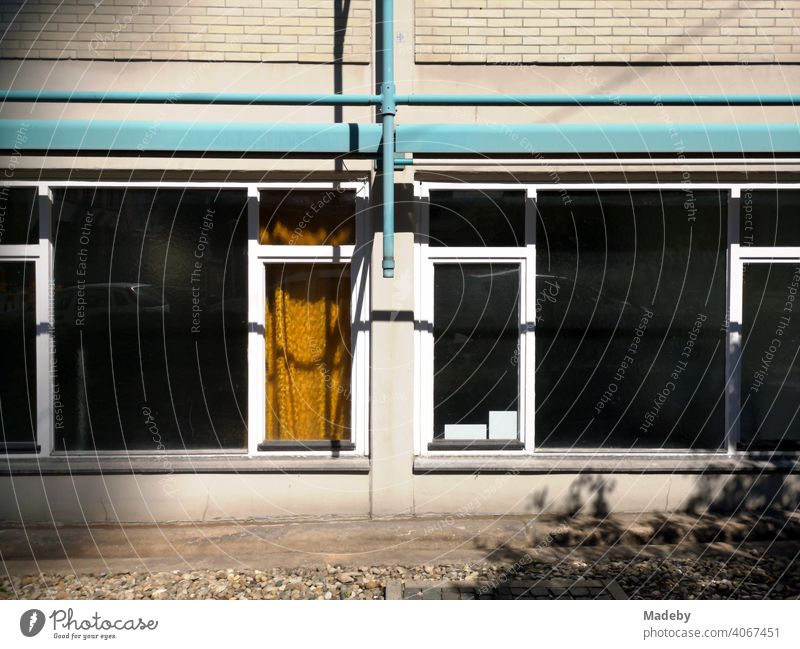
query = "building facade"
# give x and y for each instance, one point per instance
(594, 298)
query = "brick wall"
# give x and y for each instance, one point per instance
(551, 31)
(196, 30)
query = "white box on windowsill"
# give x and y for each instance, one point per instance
(502, 424)
(465, 431)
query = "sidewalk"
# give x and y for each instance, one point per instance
(678, 555)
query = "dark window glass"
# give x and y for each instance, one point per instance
(150, 319)
(18, 368)
(475, 357)
(308, 218)
(19, 216)
(770, 364)
(770, 217)
(477, 218)
(630, 315)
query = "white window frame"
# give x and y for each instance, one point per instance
(739, 256)
(358, 256)
(40, 255)
(425, 256)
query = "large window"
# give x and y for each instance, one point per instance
(620, 319)
(183, 318)
(150, 318)
(630, 339)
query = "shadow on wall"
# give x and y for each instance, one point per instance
(733, 509)
(731, 494)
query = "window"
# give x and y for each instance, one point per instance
(183, 318)
(18, 378)
(770, 363)
(617, 319)
(476, 336)
(474, 309)
(19, 216)
(630, 322)
(311, 359)
(765, 282)
(22, 305)
(150, 319)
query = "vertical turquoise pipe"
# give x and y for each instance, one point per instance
(387, 113)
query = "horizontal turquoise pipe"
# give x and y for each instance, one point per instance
(188, 137)
(598, 100)
(464, 139)
(256, 99)
(266, 99)
(611, 139)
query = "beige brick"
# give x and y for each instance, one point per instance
(184, 29)
(616, 30)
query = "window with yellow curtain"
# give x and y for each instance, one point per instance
(308, 352)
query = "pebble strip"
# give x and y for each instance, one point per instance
(704, 578)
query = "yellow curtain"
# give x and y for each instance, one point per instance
(302, 218)
(308, 352)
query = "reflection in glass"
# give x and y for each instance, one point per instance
(770, 364)
(630, 314)
(150, 316)
(308, 352)
(18, 373)
(477, 218)
(476, 352)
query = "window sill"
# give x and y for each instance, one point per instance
(609, 463)
(476, 445)
(178, 464)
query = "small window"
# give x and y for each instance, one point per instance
(770, 217)
(19, 216)
(475, 352)
(308, 351)
(486, 218)
(18, 374)
(770, 394)
(307, 218)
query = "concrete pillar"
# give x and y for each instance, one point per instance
(392, 389)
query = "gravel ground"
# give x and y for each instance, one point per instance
(706, 578)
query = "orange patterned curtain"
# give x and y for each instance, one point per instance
(308, 352)
(305, 218)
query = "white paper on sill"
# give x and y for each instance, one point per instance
(465, 431)
(502, 424)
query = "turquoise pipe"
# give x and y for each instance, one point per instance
(266, 99)
(522, 140)
(593, 139)
(598, 100)
(140, 136)
(387, 112)
(206, 98)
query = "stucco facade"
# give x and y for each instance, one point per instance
(441, 46)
